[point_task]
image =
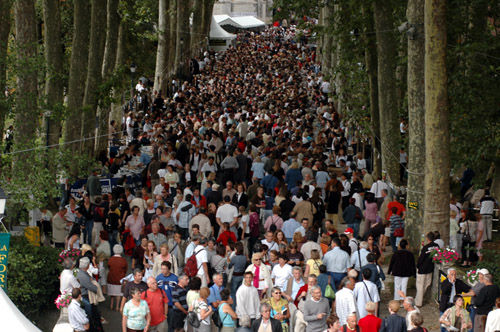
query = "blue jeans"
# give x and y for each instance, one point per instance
(336, 278)
(235, 283)
(472, 315)
(86, 305)
(355, 228)
(87, 231)
(112, 239)
(394, 242)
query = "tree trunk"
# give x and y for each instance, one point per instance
(116, 107)
(416, 122)
(108, 66)
(5, 6)
(54, 87)
(183, 40)
(197, 37)
(172, 43)
(208, 9)
(371, 69)
(77, 72)
(437, 134)
(26, 116)
(94, 73)
(387, 100)
(161, 81)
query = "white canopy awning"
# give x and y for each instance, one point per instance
(12, 319)
(240, 22)
(217, 32)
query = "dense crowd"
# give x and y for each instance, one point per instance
(256, 211)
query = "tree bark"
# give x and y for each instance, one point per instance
(437, 134)
(197, 37)
(183, 40)
(108, 66)
(94, 73)
(161, 81)
(27, 114)
(77, 72)
(116, 108)
(208, 8)
(172, 43)
(416, 122)
(387, 99)
(54, 87)
(5, 18)
(371, 69)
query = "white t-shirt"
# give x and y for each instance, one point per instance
(281, 275)
(227, 213)
(201, 257)
(245, 219)
(362, 297)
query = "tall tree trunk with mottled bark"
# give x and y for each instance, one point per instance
(116, 107)
(437, 133)
(371, 69)
(108, 66)
(54, 82)
(94, 74)
(416, 122)
(5, 18)
(197, 37)
(77, 73)
(161, 81)
(27, 113)
(183, 44)
(208, 8)
(172, 42)
(387, 99)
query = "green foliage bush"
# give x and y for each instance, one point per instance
(32, 276)
(490, 262)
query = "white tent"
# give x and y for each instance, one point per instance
(220, 39)
(12, 319)
(240, 22)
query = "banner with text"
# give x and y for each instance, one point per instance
(4, 256)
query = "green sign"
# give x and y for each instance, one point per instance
(4, 256)
(413, 205)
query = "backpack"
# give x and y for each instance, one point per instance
(273, 227)
(254, 225)
(192, 319)
(191, 267)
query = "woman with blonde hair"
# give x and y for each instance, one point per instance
(203, 310)
(164, 256)
(313, 264)
(261, 275)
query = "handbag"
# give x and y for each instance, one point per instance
(192, 319)
(466, 237)
(399, 232)
(382, 283)
(329, 293)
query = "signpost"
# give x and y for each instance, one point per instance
(4, 256)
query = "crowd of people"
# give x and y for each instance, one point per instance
(256, 212)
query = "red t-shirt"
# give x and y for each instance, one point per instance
(370, 323)
(156, 302)
(225, 236)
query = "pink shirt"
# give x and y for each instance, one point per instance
(371, 211)
(135, 225)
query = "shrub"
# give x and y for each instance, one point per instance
(32, 276)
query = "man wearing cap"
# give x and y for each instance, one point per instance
(474, 291)
(484, 302)
(353, 243)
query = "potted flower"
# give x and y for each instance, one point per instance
(69, 253)
(444, 256)
(63, 300)
(472, 277)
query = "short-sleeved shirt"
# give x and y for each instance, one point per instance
(136, 315)
(167, 284)
(201, 257)
(281, 275)
(142, 286)
(227, 213)
(179, 295)
(156, 302)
